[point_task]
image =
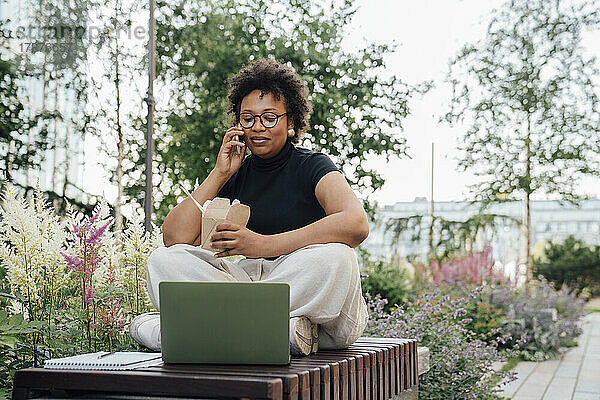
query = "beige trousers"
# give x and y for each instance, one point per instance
(324, 283)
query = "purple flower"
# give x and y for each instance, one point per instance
(97, 233)
(89, 296)
(73, 262)
(461, 364)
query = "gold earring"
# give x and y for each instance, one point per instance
(291, 132)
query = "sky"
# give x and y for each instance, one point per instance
(428, 34)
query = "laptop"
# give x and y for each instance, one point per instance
(225, 322)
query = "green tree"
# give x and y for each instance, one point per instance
(14, 154)
(529, 98)
(201, 43)
(54, 78)
(117, 101)
(571, 262)
(49, 75)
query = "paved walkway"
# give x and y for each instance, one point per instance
(574, 377)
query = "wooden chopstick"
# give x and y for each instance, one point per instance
(192, 197)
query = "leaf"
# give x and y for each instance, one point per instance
(16, 319)
(9, 341)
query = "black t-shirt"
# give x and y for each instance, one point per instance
(280, 190)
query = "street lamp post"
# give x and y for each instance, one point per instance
(431, 250)
(150, 121)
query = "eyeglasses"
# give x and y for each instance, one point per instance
(268, 119)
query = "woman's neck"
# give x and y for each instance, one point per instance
(274, 162)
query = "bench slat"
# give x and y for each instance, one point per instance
(325, 380)
(341, 392)
(409, 358)
(295, 383)
(355, 370)
(395, 368)
(144, 382)
(378, 378)
(370, 371)
(358, 380)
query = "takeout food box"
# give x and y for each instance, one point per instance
(219, 211)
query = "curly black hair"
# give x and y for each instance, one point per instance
(278, 79)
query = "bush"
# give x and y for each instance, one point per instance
(486, 321)
(572, 263)
(538, 321)
(389, 281)
(461, 363)
(470, 276)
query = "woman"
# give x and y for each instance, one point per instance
(304, 219)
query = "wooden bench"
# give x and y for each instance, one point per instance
(370, 369)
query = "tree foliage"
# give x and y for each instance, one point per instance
(19, 148)
(55, 82)
(115, 98)
(571, 262)
(44, 90)
(528, 95)
(14, 153)
(200, 43)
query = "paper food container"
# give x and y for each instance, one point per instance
(219, 211)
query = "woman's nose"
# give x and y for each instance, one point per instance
(258, 125)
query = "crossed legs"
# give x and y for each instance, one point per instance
(324, 283)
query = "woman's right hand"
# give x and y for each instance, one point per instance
(228, 159)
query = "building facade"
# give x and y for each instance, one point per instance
(550, 220)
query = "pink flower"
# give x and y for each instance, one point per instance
(89, 296)
(74, 262)
(110, 316)
(92, 219)
(97, 233)
(474, 268)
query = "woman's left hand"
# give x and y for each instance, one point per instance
(234, 239)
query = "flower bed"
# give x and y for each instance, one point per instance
(68, 285)
(470, 317)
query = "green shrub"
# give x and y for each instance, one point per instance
(486, 320)
(571, 262)
(387, 280)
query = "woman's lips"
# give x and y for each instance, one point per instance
(259, 140)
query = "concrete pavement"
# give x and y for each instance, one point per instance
(574, 377)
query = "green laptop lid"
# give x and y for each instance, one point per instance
(225, 322)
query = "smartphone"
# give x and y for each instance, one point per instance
(237, 139)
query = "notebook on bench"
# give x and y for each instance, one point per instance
(225, 322)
